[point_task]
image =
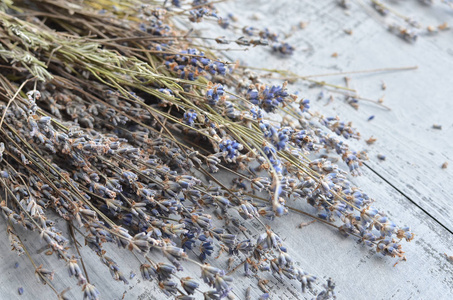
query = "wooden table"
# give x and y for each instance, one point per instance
(410, 185)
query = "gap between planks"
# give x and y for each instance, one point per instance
(408, 198)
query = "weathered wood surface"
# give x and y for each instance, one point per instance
(414, 151)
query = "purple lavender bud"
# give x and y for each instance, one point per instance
(132, 275)
(90, 292)
(148, 272)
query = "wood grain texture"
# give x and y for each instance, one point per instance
(418, 99)
(414, 151)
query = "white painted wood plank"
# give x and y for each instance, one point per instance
(417, 99)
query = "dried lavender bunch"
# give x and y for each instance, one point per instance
(115, 133)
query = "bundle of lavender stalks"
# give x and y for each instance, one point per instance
(114, 120)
